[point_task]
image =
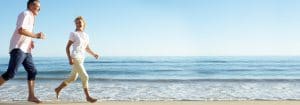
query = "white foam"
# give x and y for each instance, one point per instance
(136, 91)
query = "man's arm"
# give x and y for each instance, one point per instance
(39, 35)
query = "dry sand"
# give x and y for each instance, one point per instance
(163, 103)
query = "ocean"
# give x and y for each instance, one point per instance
(164, 78)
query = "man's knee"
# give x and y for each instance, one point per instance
(32, 74)
(8, 75)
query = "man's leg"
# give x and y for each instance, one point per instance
(16, 59)
(31, 96)
(31, 74)
(1, 80)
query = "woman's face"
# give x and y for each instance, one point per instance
(79, 24)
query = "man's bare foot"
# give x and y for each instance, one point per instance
(57, 90)
(91, 100)
(34, 99)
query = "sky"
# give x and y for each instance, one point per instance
(164, 27)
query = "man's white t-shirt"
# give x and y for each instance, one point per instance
(80, 41)
(25, 21)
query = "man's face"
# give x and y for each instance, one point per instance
(35, 8)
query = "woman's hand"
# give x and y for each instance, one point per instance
(96, 56)
(70, 61)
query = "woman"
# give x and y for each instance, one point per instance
(79, 40)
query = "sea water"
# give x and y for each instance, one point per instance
(164, 78)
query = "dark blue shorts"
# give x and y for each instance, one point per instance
(18, 57)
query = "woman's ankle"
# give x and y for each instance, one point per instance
(90, 99)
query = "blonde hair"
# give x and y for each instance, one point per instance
(80, 18)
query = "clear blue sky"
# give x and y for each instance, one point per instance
(164, 27)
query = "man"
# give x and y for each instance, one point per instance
(21, 45)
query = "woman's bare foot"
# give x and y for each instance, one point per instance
(34, 99)
(57, 90)
(91, 100)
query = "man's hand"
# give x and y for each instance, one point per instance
(40, 35)
(32, 44)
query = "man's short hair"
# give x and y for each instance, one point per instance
(29, 2)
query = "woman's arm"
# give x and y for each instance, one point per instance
(68, 52)
(90, 51)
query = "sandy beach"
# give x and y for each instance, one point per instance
(166, 103)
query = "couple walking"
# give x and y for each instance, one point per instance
(21, 45)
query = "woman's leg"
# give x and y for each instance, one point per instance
(88, 97)
(84, 78)
(73, 76)
(59, 88)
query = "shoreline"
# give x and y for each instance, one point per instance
(254, 102)
(153, 91)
